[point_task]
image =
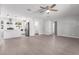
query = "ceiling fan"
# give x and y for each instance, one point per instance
(48, 8)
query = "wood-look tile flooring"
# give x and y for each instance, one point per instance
(40, 45)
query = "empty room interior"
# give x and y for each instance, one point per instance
(39, 29)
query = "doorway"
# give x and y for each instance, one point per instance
(27, 29)
(54, 27)
(50, 27)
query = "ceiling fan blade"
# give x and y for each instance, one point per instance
(53, 10)
(52, 5)
(39, 11)
(42, 7)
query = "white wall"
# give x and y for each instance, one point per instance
(68, 26)
(48, 27)
(0, 10)
(36, 28)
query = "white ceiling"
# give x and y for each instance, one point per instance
(21, 10)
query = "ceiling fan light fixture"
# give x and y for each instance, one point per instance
(47, 11)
